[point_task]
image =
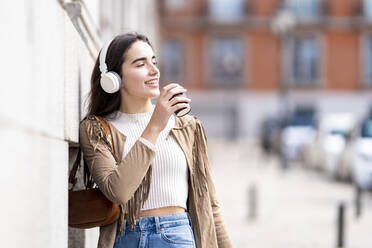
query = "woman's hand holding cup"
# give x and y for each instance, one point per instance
(171, 100)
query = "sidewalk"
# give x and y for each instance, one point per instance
(296, 208)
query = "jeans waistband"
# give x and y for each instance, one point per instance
(158, 222)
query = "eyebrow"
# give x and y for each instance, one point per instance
(141, 59)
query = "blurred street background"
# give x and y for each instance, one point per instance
(282, 87)
(294, 208)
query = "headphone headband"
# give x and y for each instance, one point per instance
(102, 57)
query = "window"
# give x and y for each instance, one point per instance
(304, 61)
(226, 10)
(304, 9)
(175, 4)
(173, 66)
(226, 61)
(366, 130)
(367, 59)
(367, 9)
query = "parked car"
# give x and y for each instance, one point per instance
(334, 134)
(362, 163)
(297, 133)
(345, 166)
(313, 154)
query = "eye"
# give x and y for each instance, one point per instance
(140, 65)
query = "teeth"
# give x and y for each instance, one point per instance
(152, 82)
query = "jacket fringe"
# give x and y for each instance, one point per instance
(134, 205)
(95, 129)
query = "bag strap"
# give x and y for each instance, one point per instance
(72, 177)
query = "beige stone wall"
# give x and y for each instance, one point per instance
(46, 62)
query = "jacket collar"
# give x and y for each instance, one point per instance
(182, 140)
(182, 122)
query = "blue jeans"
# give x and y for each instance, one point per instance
(168, 231)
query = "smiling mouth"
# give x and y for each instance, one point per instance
(152, 82)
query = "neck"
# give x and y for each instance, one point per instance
(133, 105)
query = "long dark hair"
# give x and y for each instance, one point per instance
(102, 103)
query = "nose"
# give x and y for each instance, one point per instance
(154, 70)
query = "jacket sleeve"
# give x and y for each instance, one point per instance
(117, 181)
(223, 238)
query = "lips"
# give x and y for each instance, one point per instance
(152, 82)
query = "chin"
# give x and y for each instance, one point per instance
(154, 94)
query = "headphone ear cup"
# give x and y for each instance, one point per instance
(118, 77)
(110, 82)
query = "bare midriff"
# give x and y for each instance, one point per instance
(162, 211)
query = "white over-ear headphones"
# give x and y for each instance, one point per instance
(110, 80)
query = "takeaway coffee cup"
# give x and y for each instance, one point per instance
(183, 111)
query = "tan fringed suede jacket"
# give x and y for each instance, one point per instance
(127, 181)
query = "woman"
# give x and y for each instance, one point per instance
(158, 169)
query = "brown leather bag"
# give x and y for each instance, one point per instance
(89, 208)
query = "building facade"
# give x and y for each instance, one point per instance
(240, 66)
